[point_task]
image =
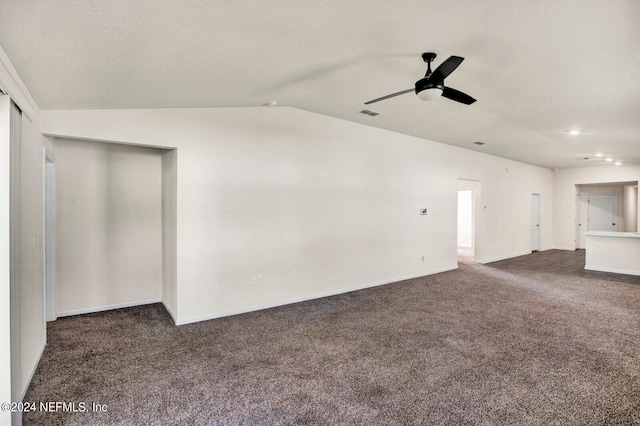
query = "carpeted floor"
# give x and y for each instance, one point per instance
(533, 340)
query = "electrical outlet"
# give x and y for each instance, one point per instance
(423, 258)
(254, 279)
(259, 279)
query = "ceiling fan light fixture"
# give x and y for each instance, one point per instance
(429, 93)
(428, 90)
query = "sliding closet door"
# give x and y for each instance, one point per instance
(14, 236)
(5, 255)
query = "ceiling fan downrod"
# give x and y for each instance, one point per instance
(428, 57)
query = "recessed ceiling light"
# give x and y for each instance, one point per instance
(599, 155)
(618, 163)
(574, 132)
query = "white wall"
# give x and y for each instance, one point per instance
(109, 225)
(564, 192)
(631, 208)
(619, 254)
(314, 204)
(169, 228)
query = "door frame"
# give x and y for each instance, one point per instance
(49, 285)
(578, 223)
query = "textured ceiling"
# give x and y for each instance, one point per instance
(537, 68)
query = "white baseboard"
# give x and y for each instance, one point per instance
(107, 307)
(564, 248)
(304, 299)
(509, 256)
(613, 270)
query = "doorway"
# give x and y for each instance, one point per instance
(465, 223)
(535, 222)
(467, 243)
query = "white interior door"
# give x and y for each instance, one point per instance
(603, 212)
(535, 222)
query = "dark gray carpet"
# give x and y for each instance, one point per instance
(528, 341)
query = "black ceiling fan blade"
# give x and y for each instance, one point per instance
(389, 96)
(457, 96)
(445, 68)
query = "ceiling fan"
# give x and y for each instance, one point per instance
(432, 85)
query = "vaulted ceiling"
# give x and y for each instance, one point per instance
(537, 68)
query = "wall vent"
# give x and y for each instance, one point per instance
(369, 112)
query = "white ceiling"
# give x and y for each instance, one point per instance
(537, 68)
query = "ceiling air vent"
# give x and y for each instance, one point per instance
(369, 112)
(478, 143)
